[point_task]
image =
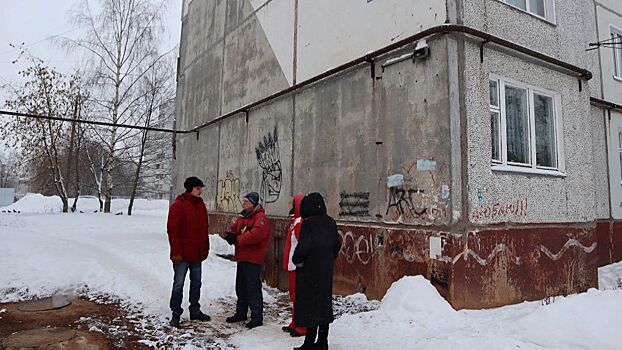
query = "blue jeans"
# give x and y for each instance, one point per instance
(180, 270)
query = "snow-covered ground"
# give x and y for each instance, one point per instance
(127, 258)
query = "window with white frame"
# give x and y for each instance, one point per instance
(544, 9)
(523, 126)
(616, 37)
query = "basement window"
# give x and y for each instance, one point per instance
(544, 9)
(525, 128)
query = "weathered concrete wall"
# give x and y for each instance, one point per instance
(342, 137)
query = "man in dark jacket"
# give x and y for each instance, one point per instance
(250, 235)
(314, 257)
(187, 228)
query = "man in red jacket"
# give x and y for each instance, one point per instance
(250, 234)
(291, 241)
(187, 228)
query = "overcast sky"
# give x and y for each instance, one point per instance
(33, 22)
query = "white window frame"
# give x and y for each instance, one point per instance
(549, 10)
(616, 52)
(532, 168)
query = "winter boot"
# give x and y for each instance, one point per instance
(322, 337)
(199, 316)
(286, 329)
(254, 323)
(174, 321)
(306, 346)
(321, 346)
(235, 318)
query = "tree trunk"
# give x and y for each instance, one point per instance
(137, 174)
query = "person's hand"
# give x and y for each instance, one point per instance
(230, 237)
(176, 259)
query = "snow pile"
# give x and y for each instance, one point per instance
(37, 203)
(412, 298)
(610, 276)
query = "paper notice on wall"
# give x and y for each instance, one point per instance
(395, 180)
(426, 165)
(435, 248)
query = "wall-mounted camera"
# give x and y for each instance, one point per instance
(422, 50)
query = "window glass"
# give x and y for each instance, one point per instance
(494, 93)
(617, 53)
(522, 4)
(494, 132)
(517, 124)
(536, 7)
(545, 131)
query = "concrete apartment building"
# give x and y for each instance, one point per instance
(466, 141)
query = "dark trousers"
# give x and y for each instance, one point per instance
(180, 270)
(322, 335)
(248, 290)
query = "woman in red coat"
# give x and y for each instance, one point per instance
(293, 233)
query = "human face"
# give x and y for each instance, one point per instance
(246, 204)
(197, 191)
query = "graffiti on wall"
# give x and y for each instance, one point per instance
(517, 208)
(414, 194)
(354, 204)
(270, 162)
(359, 248)
(228, 194)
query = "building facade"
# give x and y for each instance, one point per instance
(453, 139)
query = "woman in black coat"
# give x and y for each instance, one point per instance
(315, 254)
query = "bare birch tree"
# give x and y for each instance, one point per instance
(122, 41)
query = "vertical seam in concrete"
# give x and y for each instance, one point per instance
(295, 58)
(291, 182)
(607, 122)
(222, 66)
(217, 167)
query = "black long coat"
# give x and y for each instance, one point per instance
(317, 249)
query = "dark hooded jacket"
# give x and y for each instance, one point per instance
(315, 255)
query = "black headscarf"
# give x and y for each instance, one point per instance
(312, 205)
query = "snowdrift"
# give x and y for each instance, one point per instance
(35, 203)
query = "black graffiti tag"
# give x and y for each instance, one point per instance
(269, 160)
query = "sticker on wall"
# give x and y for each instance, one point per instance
(395, 180)
(426, 165)
(445, 192)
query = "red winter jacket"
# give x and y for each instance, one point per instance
(293, 233)
(187, 228)
(253, 237)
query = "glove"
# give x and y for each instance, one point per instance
(230, 237)
(176, 259)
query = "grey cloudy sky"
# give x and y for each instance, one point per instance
(33, 22)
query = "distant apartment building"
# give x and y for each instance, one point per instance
(472, 142)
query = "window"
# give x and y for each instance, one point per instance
(616, 37)
(523, 127)
(544, 9)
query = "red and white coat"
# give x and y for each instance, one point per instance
(293, 233)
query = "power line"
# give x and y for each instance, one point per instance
(91, 122)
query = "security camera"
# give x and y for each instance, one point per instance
(422, 50)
